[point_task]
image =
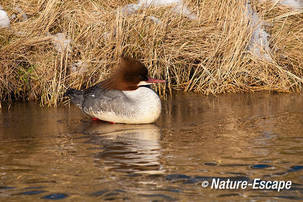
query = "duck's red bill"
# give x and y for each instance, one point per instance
(151, 80)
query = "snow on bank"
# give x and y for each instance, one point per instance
(61, 43)
(296, 4)
(177, 7)
(79, 67)
(23, 15)
(259, 44)
(4, 19)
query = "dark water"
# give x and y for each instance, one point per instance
(58, 154)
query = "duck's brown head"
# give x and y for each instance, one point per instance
(130, 75)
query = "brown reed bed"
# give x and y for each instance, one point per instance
(208, 55)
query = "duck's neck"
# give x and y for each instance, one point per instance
(140, 94)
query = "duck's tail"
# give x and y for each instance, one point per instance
(76, 96)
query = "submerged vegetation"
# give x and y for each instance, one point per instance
(52, 45)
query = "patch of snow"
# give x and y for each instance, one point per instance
(182, 9)
(130, 9)
(155, 19)
(4, 19)
(147, 3)
(60, 42)
(79, 67)
(106, 35)
(297, 4)
(24, 16)
(178, 7)
(258, 44)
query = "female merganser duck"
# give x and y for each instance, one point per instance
(123, 98)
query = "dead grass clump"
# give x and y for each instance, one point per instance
(61, 44)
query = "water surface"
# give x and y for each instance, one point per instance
(59, 154)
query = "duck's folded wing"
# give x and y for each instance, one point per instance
(100, 100)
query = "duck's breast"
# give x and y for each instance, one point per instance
(146, 104)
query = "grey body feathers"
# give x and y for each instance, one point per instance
(139, 106)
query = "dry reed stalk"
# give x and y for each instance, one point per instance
(208, 56)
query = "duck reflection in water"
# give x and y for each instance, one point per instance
(127, 148)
